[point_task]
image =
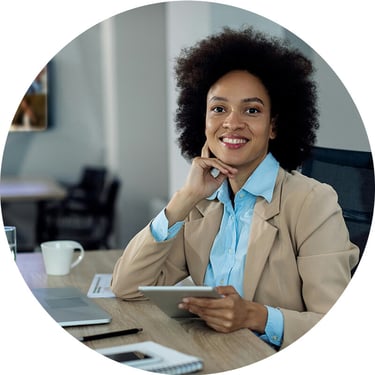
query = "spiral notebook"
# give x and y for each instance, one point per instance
(158, 358)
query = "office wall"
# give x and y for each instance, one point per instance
(78, 132)
(140, 55)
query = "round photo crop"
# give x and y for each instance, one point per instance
(159, 96)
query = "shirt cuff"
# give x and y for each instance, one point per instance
(274, 330)
(160, 230)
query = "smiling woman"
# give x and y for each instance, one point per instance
(238, 122)
(272, 241)
(284, 73)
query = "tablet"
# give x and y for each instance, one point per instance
(167, 298)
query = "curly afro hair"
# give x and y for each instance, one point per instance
(284, 71)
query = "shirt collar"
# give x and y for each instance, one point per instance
(260, 183)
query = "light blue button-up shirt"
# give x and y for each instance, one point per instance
(228, 254)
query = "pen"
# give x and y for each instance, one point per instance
(110, 334)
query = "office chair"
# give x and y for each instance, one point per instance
(89, 188)
(351, 174)
(91, 225)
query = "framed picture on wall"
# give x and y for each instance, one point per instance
(31, 114)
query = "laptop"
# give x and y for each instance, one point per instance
(70, 307)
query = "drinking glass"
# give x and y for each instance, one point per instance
(11, 234)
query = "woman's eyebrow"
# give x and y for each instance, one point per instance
(246, 100)
(217, 99)
(254, 99)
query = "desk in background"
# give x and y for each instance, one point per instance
(39, 191)
(14, 189)
(220, 351)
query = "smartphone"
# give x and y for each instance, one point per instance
(132, 358)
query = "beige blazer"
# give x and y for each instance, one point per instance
(299, 255)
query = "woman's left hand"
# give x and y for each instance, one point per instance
(229, 313)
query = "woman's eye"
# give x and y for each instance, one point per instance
(218, 109)
(252, 111)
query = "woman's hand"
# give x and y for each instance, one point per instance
(202, 181)
(200, 184)
(229, 313)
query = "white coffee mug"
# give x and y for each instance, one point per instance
(58, 256)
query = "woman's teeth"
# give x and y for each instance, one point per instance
(234, 141)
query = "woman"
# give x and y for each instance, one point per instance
(272, 241)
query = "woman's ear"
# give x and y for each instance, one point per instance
(273, 130)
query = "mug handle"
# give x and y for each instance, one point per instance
(78, 246)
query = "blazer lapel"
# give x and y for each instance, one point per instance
(262, 237)
(200, 234)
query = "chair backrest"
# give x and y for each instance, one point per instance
(112, 192)
(351, 174)
(93, 179)
(92, 226)
(108, 211)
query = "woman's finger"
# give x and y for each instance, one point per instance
(205, 153)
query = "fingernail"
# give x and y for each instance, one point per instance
(214, 172)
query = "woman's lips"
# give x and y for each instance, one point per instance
(234, 142)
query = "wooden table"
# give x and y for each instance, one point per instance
(38, 190)
(220, 351)
(22, 189)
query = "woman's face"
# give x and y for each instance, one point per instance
(238, 120)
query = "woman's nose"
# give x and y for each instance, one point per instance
(233, 121)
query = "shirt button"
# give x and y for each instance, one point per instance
(222, 281)
(275, 338)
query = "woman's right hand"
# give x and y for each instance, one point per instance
(202, 181)
(200, 184)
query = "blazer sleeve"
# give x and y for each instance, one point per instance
(148, 262)
(325, 257)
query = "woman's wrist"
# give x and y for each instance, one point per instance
(181, 203)
(257, 317)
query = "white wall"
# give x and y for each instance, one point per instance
(181, 32)
(142, 107)
(340, 122)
